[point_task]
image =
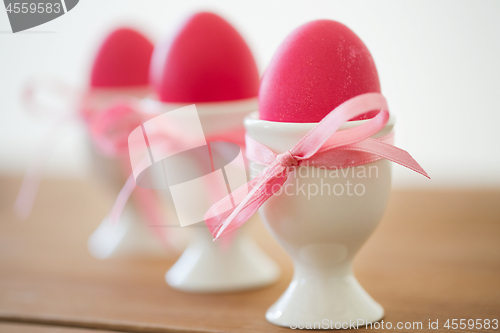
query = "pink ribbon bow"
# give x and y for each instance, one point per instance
(323, 146)
(108, 126)
(234, 135)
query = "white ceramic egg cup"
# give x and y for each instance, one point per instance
(321, 233)
(208, 266)
(131, 237)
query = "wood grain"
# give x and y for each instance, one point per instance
(435, 255)
(30, 328)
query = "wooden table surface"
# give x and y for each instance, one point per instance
(30, 328)
(435, 256)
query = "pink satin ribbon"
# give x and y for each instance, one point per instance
(235, 135)
(323, 146)
(32, 103)
(100, 124)
(108, 129)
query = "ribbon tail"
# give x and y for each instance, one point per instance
(149, 206)
(223, 217)
(389, 152)
(31, 181)
(27, 192)
(122, 199)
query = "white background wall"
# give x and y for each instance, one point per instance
(438, 61)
